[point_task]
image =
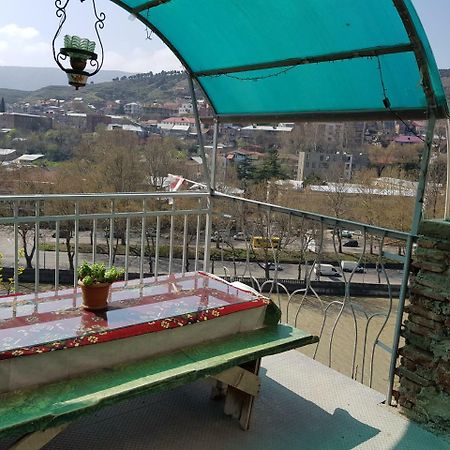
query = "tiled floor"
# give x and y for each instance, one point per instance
(303, 405)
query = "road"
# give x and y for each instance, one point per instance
(289, 271)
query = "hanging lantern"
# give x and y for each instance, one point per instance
(80, 51)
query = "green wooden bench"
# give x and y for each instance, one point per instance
(38, 415)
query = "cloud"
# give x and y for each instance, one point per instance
(3, 45)
(38, 47)
(14, 31)
(140, 60)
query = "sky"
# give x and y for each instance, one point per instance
(26, 35)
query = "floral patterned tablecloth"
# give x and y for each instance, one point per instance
(49, 321)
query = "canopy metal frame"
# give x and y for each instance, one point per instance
(433, 111)
(415, 45)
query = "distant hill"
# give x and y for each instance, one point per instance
(32, 78)
(145, 87)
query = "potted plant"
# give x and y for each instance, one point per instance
(95, 281)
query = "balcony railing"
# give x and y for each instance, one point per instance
(354, 312)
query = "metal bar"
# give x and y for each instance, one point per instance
(102, 196)
(206, 173)
(94, 240)
(336, 116)
(447, 191)
(71, 217)
(418, 211)
(16, 247)
(127, 248)
(214, 155)
(111, 233)
(158, 231)
(185, 249)
(57, 256)
(141, 262)
(394, 257)
(197, 244)
(77, 243)
(292, 62)
(36, 243)
(328, 220)
(208, 232)
(145, 20)
(419, 52)
(385, 347)
(172, 223)
(149, 4)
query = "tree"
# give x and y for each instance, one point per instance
(2, 106)
(270, 168)
(437, 176)
(159, 159)
(245, 171)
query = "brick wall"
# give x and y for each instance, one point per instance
(424, 371)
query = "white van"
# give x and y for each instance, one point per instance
(350, 266)
(326, 270)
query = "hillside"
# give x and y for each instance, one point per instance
(32, 78)
(146, 88)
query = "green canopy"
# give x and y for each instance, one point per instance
(302, 59)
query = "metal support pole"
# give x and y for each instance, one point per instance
(214, 155)
(207, 176)
(201, 144)
(418, 212)
(447, 191)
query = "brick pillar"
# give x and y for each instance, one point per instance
(424, 371)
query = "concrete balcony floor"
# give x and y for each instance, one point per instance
(303, 405)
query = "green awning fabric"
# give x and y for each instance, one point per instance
(302, 59)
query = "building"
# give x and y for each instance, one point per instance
(133, 109)
(329, 165)
(7, 154)
(186, 109)
(407, 139)
(178, 126)
(25, 160)
(28, 122)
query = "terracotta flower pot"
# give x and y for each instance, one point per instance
(95, 296)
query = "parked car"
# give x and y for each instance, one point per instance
(63, 234)
(350, 266)
(346, 234)
(240, 236)
(351, 243)
(273, 266)
(326, 270)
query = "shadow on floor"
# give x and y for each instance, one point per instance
(185, 419)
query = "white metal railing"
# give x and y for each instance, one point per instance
(124, 228)
(353, 312)
(170, 232)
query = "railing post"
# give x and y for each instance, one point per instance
(36, 243)
(16, 246)
(418, 212)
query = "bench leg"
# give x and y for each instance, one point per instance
(248, 400)
(218, 391)
(241, 385)
(37, 440)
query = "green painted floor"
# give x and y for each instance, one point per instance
(303, 405)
